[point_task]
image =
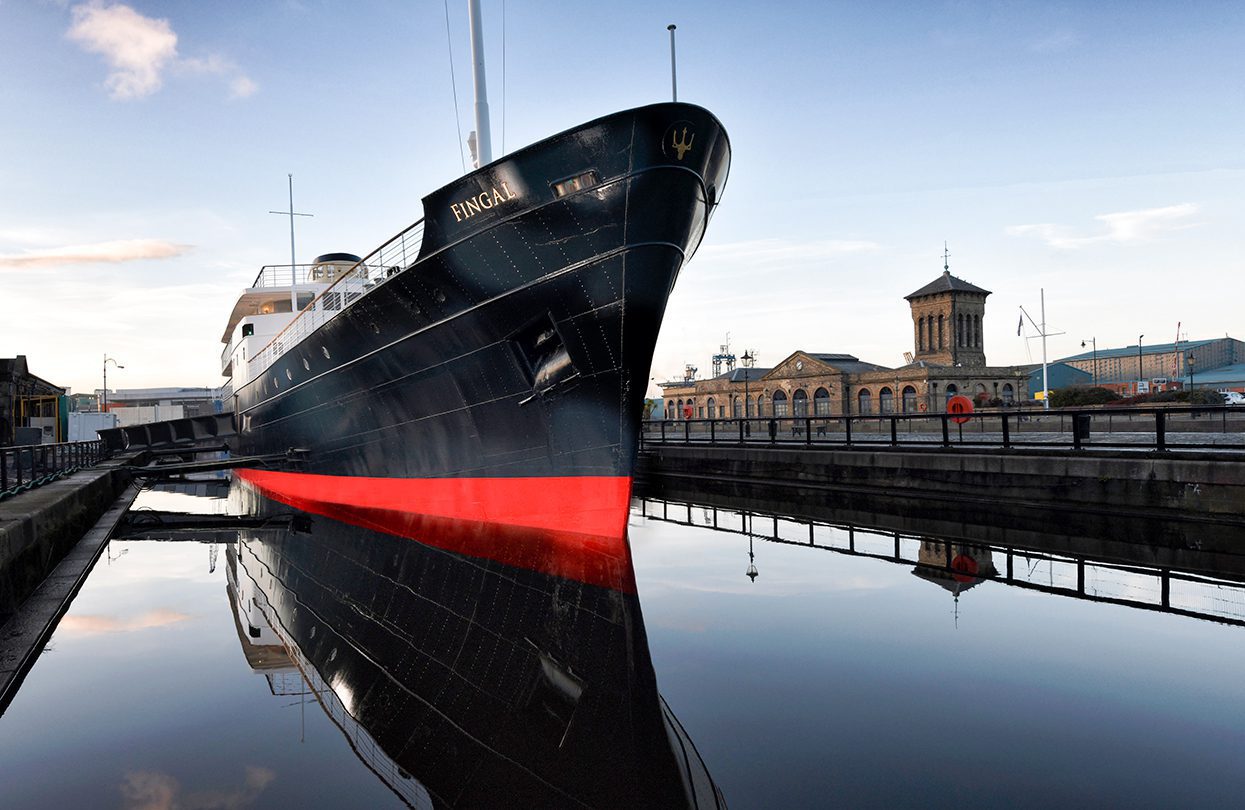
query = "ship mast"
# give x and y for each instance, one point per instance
(484, 141)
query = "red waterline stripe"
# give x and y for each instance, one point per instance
(572, 527)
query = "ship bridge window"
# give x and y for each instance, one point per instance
(577, 183)
(248, 329)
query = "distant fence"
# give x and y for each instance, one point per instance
(1219, 428)
(30, 466)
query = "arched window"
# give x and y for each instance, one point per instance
(760, 404)
(751, 406)
(940, 343)
(736, 405)
(678, 414)
(780, 403)
(952, 390)
(920, 334)
(979, 394)
(909, 399)
(886, 400)
(864, 401)
(977, 330)
(799, 402)
(670, 409)
(1009, 395)
(821, 402)
(710, 404)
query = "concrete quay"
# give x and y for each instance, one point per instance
(37, 528)
(1202, 485)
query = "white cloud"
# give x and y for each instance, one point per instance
(242, 87)
(139, 50)
(1121, 228)
(123, 250)
(136, 48)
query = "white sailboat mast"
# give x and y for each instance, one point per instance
(484, 141)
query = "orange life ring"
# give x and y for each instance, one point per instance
(924, 407)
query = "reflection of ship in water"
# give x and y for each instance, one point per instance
(463, 682)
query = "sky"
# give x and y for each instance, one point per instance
(1093, 150)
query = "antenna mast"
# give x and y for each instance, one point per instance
(484, 141)
(674, 84)
(293, 264)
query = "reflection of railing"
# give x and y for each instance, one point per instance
(1067, 574)
(374, 269)
(26, 467)
(1176, 428)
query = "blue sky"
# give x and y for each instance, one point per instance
(1094, 149)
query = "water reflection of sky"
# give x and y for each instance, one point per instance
(144, 699)
(830, 680)
(833, 679)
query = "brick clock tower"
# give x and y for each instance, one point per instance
(946, 321)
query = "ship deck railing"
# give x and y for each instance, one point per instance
(374, 269)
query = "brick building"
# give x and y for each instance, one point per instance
(949, 358)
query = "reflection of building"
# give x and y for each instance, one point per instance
(954, 566)
(27, 401)
(949, 358)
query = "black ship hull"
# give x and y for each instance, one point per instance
(470, 684)
(498, 380)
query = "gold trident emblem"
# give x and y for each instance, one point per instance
(680, 142)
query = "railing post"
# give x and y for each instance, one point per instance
(741, 431)
(713, 434)
(808, 430)
(894, 431)
(1007, 438)
(4, 470)
(847, 429)
(1076, 434)
(1160, 430)
(946, 431)
(687, 431)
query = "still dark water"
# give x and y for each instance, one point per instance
(832, 679)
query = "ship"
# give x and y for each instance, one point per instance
(461, 683)
(480, 376)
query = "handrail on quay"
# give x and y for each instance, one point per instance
(1208, 427)
(28, 466)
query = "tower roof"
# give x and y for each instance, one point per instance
(946, 283)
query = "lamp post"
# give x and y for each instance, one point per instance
(1139, 377)
(749, 360)
(1190, 360)
(1094, 342)
(104, 406)
(751, 573)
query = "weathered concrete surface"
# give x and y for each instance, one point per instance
(25, 633)
(38, 527)
(1198, 485)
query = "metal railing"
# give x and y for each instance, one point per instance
(376, 268)
(29, 466)
(1219, 428)
(283, 275)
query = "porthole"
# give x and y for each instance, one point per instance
(289, 375)
(276, 383)
(325, 349)
(313, 632)
(306, 365)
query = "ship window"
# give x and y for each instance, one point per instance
(306, 365)
(289, 375)
(248, 329)
(577, 183)
(326, 352)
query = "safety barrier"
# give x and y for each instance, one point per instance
(26, 467)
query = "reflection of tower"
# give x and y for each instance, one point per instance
(954, 566)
